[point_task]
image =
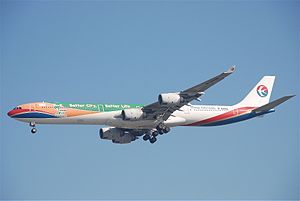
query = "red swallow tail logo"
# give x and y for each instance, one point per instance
(262, 91)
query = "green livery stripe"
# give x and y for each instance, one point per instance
(114, 107)
(97, 107)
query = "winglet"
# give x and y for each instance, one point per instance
(231, 69)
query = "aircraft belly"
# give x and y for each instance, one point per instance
(175, 121)
(139, 124)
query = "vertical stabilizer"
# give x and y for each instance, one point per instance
(260, 94)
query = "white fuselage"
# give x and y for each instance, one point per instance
(186, 115)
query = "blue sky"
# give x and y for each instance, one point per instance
(129, 52)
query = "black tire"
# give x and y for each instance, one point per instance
(152, 140)
(160, 127)
(146, 137)
(166, 130)
(155, 133)
(33, 130)
(161, 132)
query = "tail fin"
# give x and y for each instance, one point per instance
(260, 94)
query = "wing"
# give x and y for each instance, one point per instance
(163, 112)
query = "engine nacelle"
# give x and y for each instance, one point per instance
(125, 139)
(133, 114)
(110, 133)
(169, 99)
(116, 135)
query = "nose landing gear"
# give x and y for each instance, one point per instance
(33, 130)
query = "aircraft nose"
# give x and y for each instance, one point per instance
(10, 113)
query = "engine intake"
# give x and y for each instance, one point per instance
(169, 99)
(133, 114)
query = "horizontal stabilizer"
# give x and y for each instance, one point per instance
(272, 104)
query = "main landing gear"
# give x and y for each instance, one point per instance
(33, 130)
(152, 138)
(161, 128)
(152, 135)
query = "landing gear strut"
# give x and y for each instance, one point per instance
(33, 130)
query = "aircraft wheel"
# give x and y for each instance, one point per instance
(160, 131)
(32, 124)
(155, 133)
(33, 130)
(146, 137)
(166, 130)
(160, 127)
(152, 140)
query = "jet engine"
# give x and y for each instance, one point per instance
(133, 114)
(116, 135)
(169, 99)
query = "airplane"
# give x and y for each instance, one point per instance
(128, 122)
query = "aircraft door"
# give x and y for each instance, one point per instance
(186, 109)
(235, 111)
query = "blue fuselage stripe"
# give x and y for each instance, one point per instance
(34, 115)
(237, 119)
